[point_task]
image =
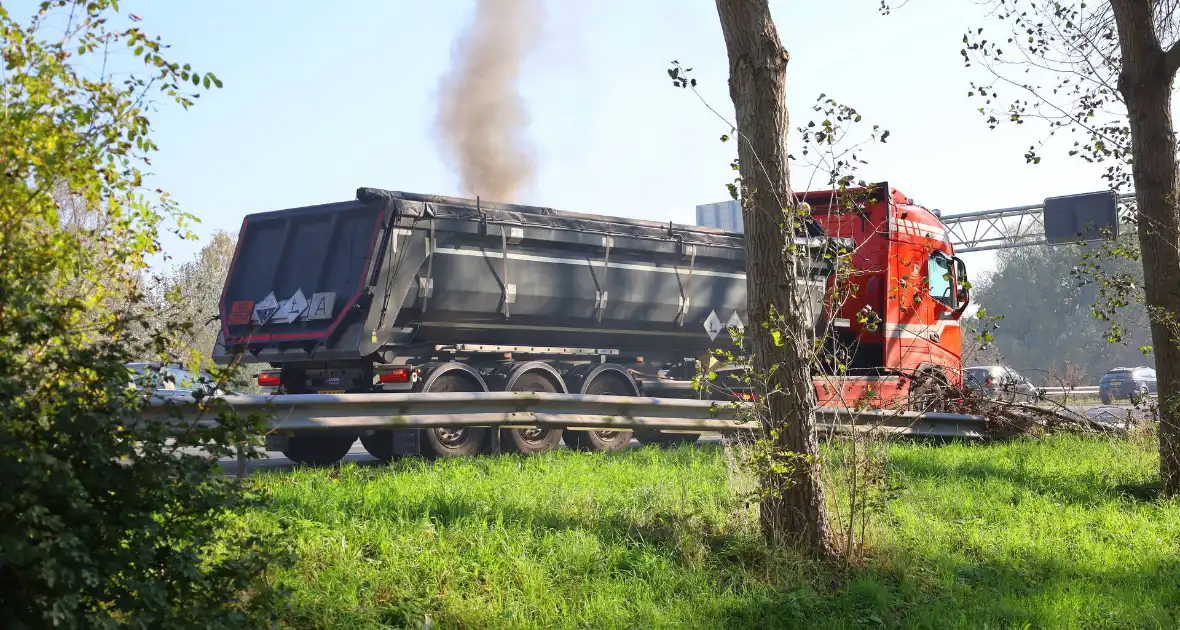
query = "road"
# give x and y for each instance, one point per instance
(277, 461)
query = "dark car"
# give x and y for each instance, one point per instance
(1001, 383)
(1133, 383)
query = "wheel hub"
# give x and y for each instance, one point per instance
(451, 437)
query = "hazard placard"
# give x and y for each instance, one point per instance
(265, 309)
(239, 312)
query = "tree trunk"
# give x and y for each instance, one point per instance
(1146, 85)
(792, 509)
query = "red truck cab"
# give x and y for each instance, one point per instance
(898, 324)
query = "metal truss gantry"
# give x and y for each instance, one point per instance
(1002, 228)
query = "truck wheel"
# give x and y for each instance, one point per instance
(1104, 397)
(318, 449)
(453, 441)
(379, 444)
(533, 440)
(653, 437)
(605, 385)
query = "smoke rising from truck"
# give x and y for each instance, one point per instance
(482, 121)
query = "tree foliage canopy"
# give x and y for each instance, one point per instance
(1053, 326)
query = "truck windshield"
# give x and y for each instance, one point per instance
(939, 271)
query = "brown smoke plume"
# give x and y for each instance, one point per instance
(482, 120)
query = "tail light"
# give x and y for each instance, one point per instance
(268, 379)
(396, 375)
(748, 396)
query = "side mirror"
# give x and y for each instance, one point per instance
(962, 286)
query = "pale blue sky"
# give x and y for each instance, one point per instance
(321, 98)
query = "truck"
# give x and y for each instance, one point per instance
(404, 292)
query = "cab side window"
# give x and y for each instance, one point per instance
(938, 271)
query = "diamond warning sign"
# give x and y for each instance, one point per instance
(265, 309)
(713, 325)
(291, 309)
(735, 322)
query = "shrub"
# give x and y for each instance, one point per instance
(109, 521)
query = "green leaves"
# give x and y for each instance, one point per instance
(680, 76)
(109, 521)
(828, 146)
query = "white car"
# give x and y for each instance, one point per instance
(169, 381)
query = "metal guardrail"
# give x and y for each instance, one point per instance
(1092, 389)
(363, 412)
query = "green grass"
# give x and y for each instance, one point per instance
(1059, 533)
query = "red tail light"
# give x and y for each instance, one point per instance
(268, 379)
(396, 375)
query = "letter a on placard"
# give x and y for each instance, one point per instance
(321, 306)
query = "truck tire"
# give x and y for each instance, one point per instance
(379, 444)
(457, 441)
(1105, 397)
(318, 449)
(534, 440)
(605, 385)
(653, 437)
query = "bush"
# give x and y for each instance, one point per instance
(108, 521)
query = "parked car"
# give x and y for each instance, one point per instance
(170, 381)
(1002, 383)
(1133, 383)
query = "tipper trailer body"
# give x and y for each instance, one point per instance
(403, 292)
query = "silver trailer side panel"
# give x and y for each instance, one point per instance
(396, 270)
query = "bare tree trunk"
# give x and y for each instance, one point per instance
(792, 509)
(1146, 85)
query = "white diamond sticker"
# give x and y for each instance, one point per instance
(713, 325)
(291, 309)
(735, 322)
(264, 309)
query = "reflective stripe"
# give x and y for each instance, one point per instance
(558, 329)
(595, 263)
(914, 228)
(917, 331)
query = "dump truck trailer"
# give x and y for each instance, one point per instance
(405, 292)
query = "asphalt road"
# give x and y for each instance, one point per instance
(1113, 414)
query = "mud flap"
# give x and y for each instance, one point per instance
(406, 441)
(493, 444)
(277, 442)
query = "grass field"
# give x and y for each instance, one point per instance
(1059, 533)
